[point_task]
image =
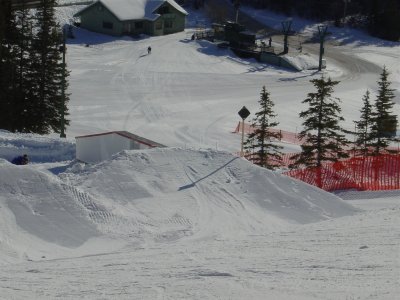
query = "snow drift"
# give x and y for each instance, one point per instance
(152, 196)
(169, 190)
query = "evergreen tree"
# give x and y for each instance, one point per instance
(323, 137)
(7, 65)
(21, 86)
(384, 122)
(363, 126)
(265, 153)
(388, 21)
(48, 73)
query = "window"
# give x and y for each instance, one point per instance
(158, 25)
(100, 8)
(168, 23)
(108, 25)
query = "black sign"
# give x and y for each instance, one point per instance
(244, 112)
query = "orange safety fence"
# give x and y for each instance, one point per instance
(285, 162)
(286, 136)
(370, 173)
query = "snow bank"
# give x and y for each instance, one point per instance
(41, 217)
(39, 148)
(302, 61)
(150, 196)
(186, 192)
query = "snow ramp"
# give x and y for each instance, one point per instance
(157, 195)
(42, 217)
(169, 193)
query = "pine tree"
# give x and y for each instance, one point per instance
(363, 127)
(7, 64)
(23, 67)
(48, 73)
(323, 137)
(384, 122)
(265, 153)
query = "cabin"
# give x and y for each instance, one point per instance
(102, 146)
(133, 17)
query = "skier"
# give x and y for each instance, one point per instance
(20, 160)
(149, 50)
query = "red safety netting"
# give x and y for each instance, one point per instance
(371, 173)
(285, 162)
(362, 173)
(286, 136)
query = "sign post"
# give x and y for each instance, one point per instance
(243, 113)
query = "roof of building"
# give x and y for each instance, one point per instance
(135, 9)
(127, 135)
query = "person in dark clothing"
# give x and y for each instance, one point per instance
(149, 50)
(21, 160)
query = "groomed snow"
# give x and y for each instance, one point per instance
(189, 224)
(159, 194)
(190, 221)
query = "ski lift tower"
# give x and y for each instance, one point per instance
(286, 30)
(322, 33)
(236, 5)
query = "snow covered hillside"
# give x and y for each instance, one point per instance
(187, 93)
(187, 224)
(160, 194)
(191, 221)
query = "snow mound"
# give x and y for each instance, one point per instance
(169, 193)
(157, 195)
(42, 217)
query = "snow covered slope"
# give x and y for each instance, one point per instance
(151, 195)
(185, 224)
(230, 188)
(187, 93)
(41, 217)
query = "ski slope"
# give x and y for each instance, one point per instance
(187, 93)
(190, 221)
(157, 195)
(189, 224)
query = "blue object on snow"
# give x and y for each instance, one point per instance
(20, 160)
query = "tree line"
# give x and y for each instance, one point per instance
(380, 17)
(32, 74)
(324, 138)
